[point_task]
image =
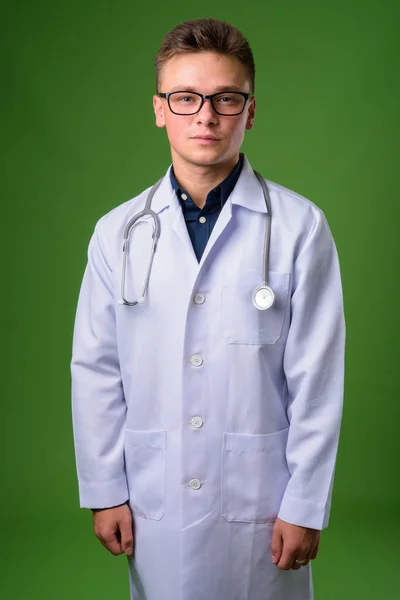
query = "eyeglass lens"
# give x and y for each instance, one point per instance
(187, 103)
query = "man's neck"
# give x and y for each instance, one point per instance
(198, 180)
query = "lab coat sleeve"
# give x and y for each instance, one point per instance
(314, 369)
(98, 403)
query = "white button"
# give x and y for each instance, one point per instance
(197, 422)
(196, 360)
(195, 484)
(183, 196)
(202, 219)
(199, 298)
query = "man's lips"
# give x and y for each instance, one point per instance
(209, 138)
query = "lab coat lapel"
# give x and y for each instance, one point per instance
(247, 193)
(179, 227)
(165, 197)
(224, 217)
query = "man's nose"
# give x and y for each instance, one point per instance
(207, 112)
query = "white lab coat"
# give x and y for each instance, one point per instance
(255, 419)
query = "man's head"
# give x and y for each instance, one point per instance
(206, 56)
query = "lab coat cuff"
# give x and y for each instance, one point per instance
(305, 513)
(103, 494)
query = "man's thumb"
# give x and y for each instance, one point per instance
(276, 546)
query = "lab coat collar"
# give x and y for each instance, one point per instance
(247, 192)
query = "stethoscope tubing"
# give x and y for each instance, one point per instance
(267, 237)
(156, 234)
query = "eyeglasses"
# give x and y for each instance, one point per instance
(223, 103)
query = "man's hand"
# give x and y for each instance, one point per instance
(292, 542)
(113, 527)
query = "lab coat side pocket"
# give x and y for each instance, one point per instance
(254, 476)
(145, 465)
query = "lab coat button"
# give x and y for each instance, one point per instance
(197, 422)
(196, 360)
(195, 484)
(199, 298)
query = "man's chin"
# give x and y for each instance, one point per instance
(204, 157)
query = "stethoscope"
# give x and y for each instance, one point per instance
(263, 296)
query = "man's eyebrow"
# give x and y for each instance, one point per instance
(224, 88)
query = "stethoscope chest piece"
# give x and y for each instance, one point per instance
(263, 297)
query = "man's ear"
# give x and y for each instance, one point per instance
(158, 111)
(251, 114)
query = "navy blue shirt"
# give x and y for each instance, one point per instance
(200, 221)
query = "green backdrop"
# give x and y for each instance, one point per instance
(79, 138)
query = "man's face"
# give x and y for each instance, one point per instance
(205, 73)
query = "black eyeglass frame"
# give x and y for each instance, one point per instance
(204, 97)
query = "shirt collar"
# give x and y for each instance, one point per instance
(223, 189)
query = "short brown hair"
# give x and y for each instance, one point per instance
(205, 35)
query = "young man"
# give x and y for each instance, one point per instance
(206, 429)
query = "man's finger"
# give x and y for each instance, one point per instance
(288, 557)
(125, 527)
(111, 542)
(276, 545)
(297, 565)
(315, 551)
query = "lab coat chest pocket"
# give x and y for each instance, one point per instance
(254, 476)
(145, 464)
(242, 322)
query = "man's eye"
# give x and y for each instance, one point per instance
(184, 99)
(226, 99)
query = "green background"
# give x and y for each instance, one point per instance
(80, 138)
